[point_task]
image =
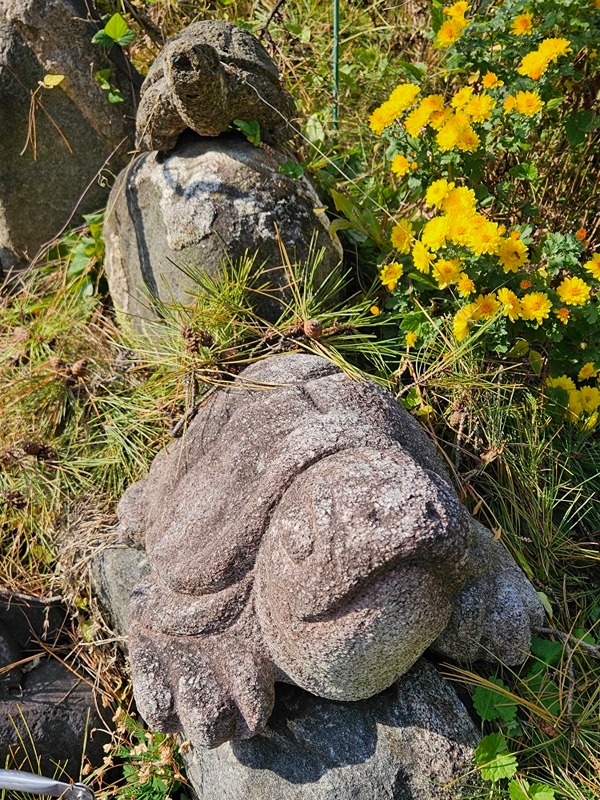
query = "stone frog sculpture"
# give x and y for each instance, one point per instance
(305, 531)
(205, 77)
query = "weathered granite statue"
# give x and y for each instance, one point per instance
(204, 195)
(205, 77)
(305, 531)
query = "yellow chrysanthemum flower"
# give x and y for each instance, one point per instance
(381, 118)
(463, 321)
(593, 266)
(509, 104)
(560, 382)
(410, 337)
(480, 107)
(536, 306)
(590, 398)
(458, 9)
(435, 233)
(468, 140)
(511, 305)
(465, 285)
(446, 271)
(562, 315)
(483, 236)
(460, 201)
(528, 103)
(552, 49)
(390, 275)
(462, 97)
(438, 192)
(573, 291)
(512, 254)
(402, 236)
(587, 371)
(486, 305)
(450, 31)
(375, 310)
(422, 258)
(491, 81)
(523, 24)
(400, 166)
(533, 65)
(403, 96)
(439, 118)
(416, 121)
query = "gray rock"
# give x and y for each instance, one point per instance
(205, 77)
(304, 533)
(10, 672)
(47, 712)
(202, 204)
(406, 743)
(47, 160)
(115, 572)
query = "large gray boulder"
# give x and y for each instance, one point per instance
(206, 77)
(413, 741)
(206, 202)
(305, 531)
(54, 143)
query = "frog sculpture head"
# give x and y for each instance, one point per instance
(305, 531)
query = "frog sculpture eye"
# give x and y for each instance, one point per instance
(305, 531)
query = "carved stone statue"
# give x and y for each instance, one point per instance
(305, 531)
(204, 78)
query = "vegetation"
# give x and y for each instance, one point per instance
(467, 204)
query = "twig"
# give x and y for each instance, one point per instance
(144, 21)
(189, 415)
(593, 650)
(272, 13)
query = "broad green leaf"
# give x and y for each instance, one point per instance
(250, 129)
(126, 38)
(493, 758)
(541, 792)
(519, 349)
(519, 790)
(490, 704)
(114, 96)
(102, 39)
(548, 652)
(545, 601)
(116, 27)
(525, 172)
(53, 80)
(535, 361)
(292, 169)
(578, 126)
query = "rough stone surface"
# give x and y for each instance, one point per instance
(404, 744)
(203, 203)
(205, 77)
(304, 533)
(46, 167)
(115, 572)
(46, 710)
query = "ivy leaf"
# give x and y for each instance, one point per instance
(116, 31)
(491, 705)
(250, 129)
(102, 39)
(493, 758)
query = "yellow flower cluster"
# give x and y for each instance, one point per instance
(400, 99)
(584, 401)
(534, 64)
(451, 30)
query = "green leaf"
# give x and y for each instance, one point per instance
(545, 601)
(541, 792)
(114, 96)
(50, 81)
(525, 172)
(519, 790)
(292, 169)
(126, 38)
(519, 349)
(490, 704)
(578, 126)
(102, 39)
(493, 758)
(548, 652)
(116, 27)
(535, 361)
(102, 77)
(250, 129)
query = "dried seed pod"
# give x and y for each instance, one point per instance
(313, 328)
(79, 368)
